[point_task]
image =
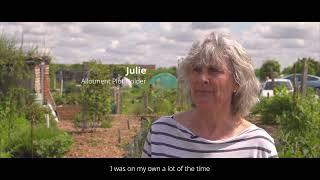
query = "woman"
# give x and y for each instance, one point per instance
(220, 83)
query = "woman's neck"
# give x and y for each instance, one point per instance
(215, 125)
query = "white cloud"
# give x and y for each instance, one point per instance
(114, 44)
(285, 42)
(161, 43)
(293, 43)
(166, 26)
(296, 30)
(100, 50)
(209, 25)
(115, 29)
(75, 42)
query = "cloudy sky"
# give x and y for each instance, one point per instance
(161, 43)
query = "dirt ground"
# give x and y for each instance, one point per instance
(104, 142)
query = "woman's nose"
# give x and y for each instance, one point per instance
(204, 78)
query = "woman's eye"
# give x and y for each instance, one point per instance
(197, 69)
(214, 70)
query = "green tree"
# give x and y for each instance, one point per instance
(12, 64)
(287, 70)
(18, 137)
(257, 72)
(270, 68)
(313, 67)
(95, 98)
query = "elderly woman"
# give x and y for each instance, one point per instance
(220, 83)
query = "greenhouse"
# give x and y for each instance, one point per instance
(164, 80)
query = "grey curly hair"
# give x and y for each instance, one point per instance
(220, 49)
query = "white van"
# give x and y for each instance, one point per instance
(269, 85)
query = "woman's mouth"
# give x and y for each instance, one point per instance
(203, 92)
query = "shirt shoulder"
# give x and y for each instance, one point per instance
(168, 126)
(262, 139)
(163, 121)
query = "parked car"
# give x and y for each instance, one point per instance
(269, 86)
(312, 81)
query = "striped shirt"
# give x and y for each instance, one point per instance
(167, 138)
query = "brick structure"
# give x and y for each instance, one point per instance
(41, 85)
(37, 85)
(46, 86)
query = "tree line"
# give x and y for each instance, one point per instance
(271, 68)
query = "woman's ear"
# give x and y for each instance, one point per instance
(235, 88)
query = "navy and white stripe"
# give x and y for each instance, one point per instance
(169, 139)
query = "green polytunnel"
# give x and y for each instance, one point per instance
(164, 80)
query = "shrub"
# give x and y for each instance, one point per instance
(105, 124)
(163, 101)
(135, 148)
(299, 130)
(94, 99)
(11, 123)
(55, 144)
(5, 155)
(47, 142)
(71, 87)
(165, 108)
(59, 100)
(36, 112)
(298, 122)
(71, 98)
(15, 133)
(271, 108)
(137, 109)
(81, 121)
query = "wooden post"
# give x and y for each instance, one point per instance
(294, 83)
(115, 99)
(120, 100)
(304, 78)
(61, 82)
(135, 146)
(145, 102)
(128, 123)
(119, 136)
(116, 96)
(117, 91)
(42, 76)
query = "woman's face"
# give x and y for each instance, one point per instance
(211, 86)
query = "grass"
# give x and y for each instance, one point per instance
(106, 124)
